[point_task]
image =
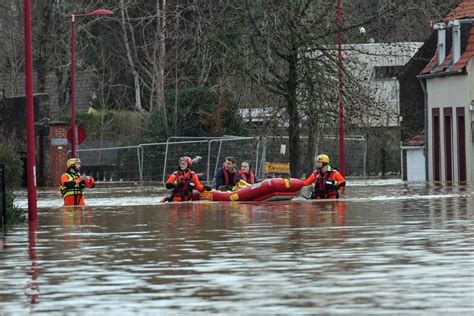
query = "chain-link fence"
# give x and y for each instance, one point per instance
(276, 149)
(111, 164)
(156, 161)
(355, 152)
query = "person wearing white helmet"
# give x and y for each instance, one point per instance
(73, 183)
(327, 180)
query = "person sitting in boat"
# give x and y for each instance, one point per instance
(183, 182)
(328, 181)
(226, 177)
(73, 183)
(246, 173)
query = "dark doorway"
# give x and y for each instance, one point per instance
(436, 145)
(448, 143)
(461, 129)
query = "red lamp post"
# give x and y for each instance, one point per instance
(73, 17)
(341, 89)
(30, 117)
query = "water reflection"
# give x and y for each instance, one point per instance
(32, 290)
(404, 255)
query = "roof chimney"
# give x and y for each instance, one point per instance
(456, 29)
(441, 27)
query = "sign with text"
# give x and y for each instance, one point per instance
(276, 167)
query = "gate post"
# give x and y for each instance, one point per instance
(3, 204)
(58, 150)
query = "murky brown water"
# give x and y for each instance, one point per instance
(385, 250)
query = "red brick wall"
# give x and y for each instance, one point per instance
(58, 150)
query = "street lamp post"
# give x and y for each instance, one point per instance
(73, 17)
(30, 116)
(341, 89)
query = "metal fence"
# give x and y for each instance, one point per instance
(276, 149)
(355, 150)
(156, 161)
(3, 206)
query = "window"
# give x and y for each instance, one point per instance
(386, 72)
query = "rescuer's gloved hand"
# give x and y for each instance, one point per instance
(207, 188)
(169, 185)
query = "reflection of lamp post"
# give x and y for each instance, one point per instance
(341, 88)
(73, 71)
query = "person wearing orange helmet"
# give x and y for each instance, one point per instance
(327, 180)
(183, 181)
(73, 183)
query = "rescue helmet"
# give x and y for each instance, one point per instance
(323, 158)
(186, 159)
(72, 162)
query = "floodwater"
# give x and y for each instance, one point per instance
(384, 248)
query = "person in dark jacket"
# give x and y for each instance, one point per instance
(226, 177)
(246, 173)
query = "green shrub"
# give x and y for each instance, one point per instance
(202, 111)
(13, 174)
(125, 126)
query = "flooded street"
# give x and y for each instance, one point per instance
(384, 248)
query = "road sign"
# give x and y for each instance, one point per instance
(80, 135)
(272, 167)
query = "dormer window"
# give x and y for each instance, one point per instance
(456, 33)
(441, 27)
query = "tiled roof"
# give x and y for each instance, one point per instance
(417, 140)
(85, 86)
(464, 10)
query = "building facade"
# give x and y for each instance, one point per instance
(448, 81)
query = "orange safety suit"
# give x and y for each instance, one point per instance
(327, 184)
(183, 183)
(72, 188)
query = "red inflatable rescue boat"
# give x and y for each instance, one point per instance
(267, 190)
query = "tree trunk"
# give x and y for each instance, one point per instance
(136, 78)
(160, 95)
(293, 115)
(309, 163)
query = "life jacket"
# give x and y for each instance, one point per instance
(321, 181)
(251, 179)
(76, 190)
(186, 191)
(226, 177)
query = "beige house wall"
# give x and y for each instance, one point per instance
(451, 92)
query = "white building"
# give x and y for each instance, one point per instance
(376, 65)
(449, 86)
